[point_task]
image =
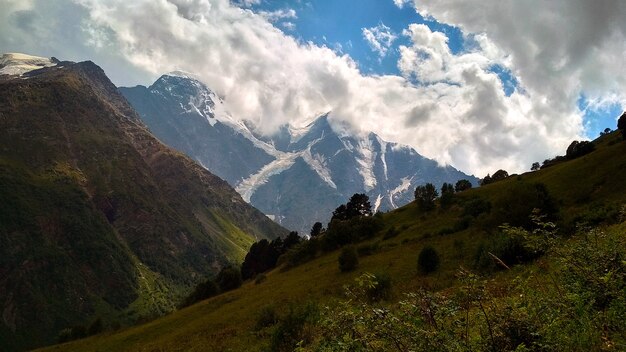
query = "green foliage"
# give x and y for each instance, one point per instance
(428, 260)
(519, 202)
(348, 259)
(228, 279)
(535, 166)
(295, 328)
(317, 229)
(341, 233)
(425, 196)
(621, 125)
(267, 316)
(447, 195)
(204, 290)
(577, 149)
(462, 185)
(358, 205)
(580, 308)
(391, 233)
(476, 206)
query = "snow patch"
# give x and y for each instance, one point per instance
(16, 64)
(405, 184)
(379, 199)
(366, 157)
(318, 164)
(248, 186)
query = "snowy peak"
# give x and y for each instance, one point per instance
(191, 95)
(18, 64)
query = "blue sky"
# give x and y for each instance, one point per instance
(339, 25)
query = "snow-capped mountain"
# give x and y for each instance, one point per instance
(297, 176)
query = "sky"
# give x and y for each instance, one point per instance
(481, 85)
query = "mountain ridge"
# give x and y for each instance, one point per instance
(279, 172)
(98, 216)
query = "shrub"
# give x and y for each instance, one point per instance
(203, 291)
(380, 288)
(476, 207)
(577, 149)
(462, 185)
(266, 317)
(348, 259)
(391, 233)
(428, 260)
(229, 279)
(294, 328)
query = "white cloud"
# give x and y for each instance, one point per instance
(277, 15)
(290, 26)
(458, 115)
(401, 3)
(379, 38)
(559, 49)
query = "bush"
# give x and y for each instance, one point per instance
(428, 260)
(476, 206)
(295, 328)
(266, 317)
(203, 291)
(462, 185)
(391, 233)
(381, 287)
(348, 259)
(229, 279)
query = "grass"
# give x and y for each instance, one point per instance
(226, 322)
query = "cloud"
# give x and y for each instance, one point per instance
(274, 16)
(450, 107)
(401, 3)
(379, 38)
(559, 49)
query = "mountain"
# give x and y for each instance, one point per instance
(569, 297)
(296, 176)
(99, 218)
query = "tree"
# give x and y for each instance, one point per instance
(341, 213)
(348, 259)
(359, 205)
(203, 291)
(536, 166)
(577, 149)
(428, 260)
(447, 195)
(462, 185)
(606, 132)
(425, 196)
(317, 229)
(229, 279)
(291, 240)
(499, 175)
(486, 180)
(621, 125)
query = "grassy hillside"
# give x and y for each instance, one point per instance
(590, 192)
(97, 217)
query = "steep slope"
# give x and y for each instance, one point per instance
(589, 188)
(284, 174)
(97, 216)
